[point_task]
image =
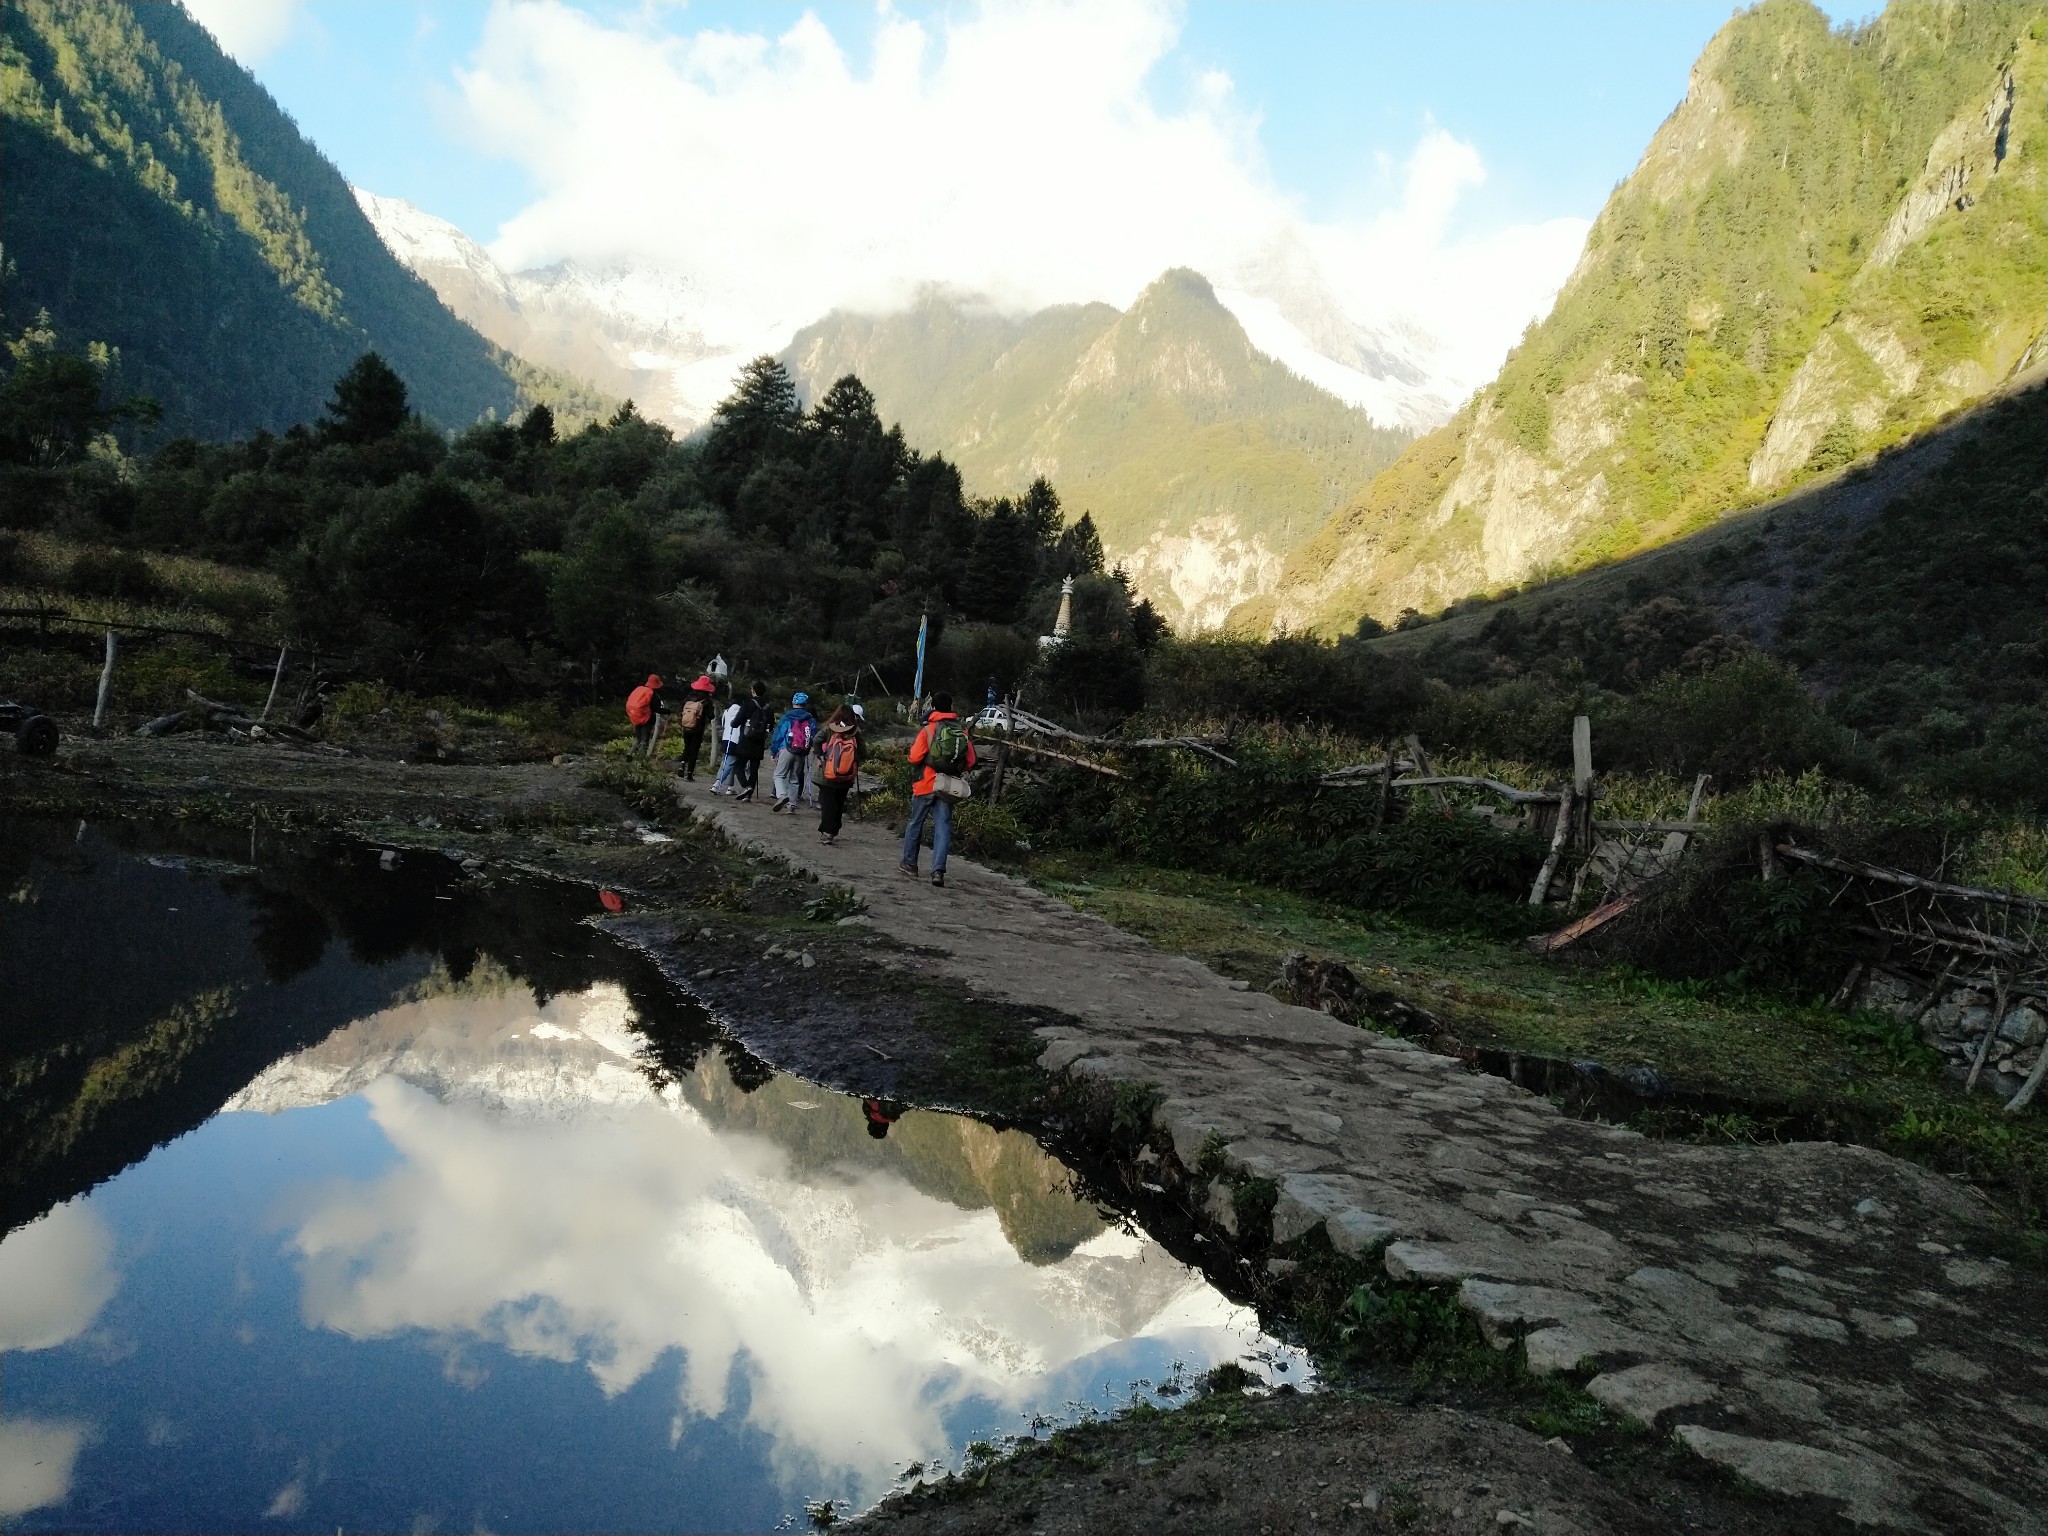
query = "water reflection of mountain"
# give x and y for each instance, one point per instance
(150, 972)
(859, 1301)
(485, 1042)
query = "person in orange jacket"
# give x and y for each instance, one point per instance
(642, 705)
(942, 747)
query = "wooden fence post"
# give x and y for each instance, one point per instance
(1674, 842)
(1566, 812)
(99, 710)
(275, 678)
(1424, 769)
(1582, 781)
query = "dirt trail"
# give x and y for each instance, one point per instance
(1822, 1319)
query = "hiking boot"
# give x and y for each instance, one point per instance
(908, 871)
(939, 878)
(779, 806)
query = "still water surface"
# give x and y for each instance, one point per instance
(490, 1253)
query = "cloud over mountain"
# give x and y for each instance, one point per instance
(1017, 151)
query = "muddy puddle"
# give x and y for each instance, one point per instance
(340, 1195)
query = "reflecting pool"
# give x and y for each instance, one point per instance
(487, 1253)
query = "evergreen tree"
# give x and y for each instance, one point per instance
(1040, 510)
(369, 402)
(1002, 567)
(758, 421)
(538, 429)
(1079, 551)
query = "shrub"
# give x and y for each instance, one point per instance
(113, 573)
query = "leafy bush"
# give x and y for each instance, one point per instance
(1268, 820)
(113, 573)
(646, 787)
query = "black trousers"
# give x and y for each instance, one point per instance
(832, 805)
(693, 743)
(643, 735)
(749, 772)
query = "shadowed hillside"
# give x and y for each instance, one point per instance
(157, 201)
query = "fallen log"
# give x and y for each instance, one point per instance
(1599, 917)
(1079, 762)
(1363, 773)
(164, 725)
(1474, 781)
(1681, 828)
(1911, 881)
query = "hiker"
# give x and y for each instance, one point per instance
(880, 1116)
(729, 746)
(694, 717)
(946, 752)
(643, 705)
(840, 752)
(792, 749)
(752, 743)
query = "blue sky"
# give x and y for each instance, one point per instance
(1558, 98)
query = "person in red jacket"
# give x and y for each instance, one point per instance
(642, 705)
(943, 748)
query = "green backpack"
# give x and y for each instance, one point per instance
(948, 750)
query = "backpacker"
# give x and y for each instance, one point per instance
(948, 750)
(693, 714)
(842, 757)
(753, 724)
(800, 734)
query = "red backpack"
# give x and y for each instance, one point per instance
(842, 758)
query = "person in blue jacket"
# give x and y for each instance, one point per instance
(791, 745)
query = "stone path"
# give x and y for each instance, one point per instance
(1822, 1319)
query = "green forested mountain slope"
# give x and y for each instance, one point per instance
(1838, 237)
(1201, 460)
(153, 197)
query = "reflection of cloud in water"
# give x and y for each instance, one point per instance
(55, 1275)
(865, 1309)
(36, 1457)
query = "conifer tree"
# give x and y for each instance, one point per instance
(369, 402)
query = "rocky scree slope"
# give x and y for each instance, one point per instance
(1202, 460)
(1837, 238)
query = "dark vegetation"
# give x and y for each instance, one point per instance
(509, 565)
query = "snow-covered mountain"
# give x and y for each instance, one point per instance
(642, 333)
(634, 331)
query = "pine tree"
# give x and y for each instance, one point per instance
(369, 402)
(759, 421)
(538, 430)
(1079, 551)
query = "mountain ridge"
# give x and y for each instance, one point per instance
(1834, 240)
(223, 258)
(1201, 459)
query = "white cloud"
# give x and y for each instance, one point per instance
(537, 1206)
(55, 1275)
(248, 29)
(1017, 150)
(36, 1457)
